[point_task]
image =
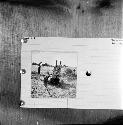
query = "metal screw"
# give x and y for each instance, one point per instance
(24, 40)
(22, 71)
(22, 103)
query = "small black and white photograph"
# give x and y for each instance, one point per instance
(54, 75)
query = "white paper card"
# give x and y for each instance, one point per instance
(75, 73)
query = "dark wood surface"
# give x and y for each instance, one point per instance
(18, 21)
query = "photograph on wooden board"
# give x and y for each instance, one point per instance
(54, 75)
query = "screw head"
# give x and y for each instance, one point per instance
(24, 40)
(22, 103)
(22, 71)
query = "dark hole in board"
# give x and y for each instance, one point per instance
(88, 73)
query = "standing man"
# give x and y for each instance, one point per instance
(39, 67)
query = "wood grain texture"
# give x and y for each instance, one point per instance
(17, 21)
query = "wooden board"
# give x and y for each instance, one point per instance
(17, 22)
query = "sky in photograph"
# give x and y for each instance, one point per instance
(69, 59)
